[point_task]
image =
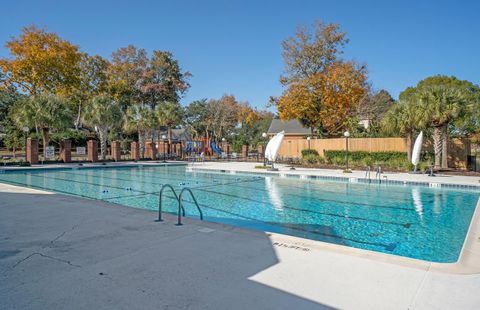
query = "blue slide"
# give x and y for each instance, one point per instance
(214, 148)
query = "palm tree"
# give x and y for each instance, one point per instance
(439, 105)
(140, 119)
(103, 113)
(403, 118)
(42, 113)
(169, 114)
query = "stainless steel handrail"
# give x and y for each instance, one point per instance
(160, 201)
(378, 174)
(367, 173)
(180, 207)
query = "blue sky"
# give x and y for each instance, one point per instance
(234, 47)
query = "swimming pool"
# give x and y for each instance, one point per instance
(412, 221)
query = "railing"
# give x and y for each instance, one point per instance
(166, 186)
(378, 173)
(180, 207)
(367, 173)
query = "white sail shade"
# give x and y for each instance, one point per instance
(417, 149)
(273, 146)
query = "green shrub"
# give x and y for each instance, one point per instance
(310, 159)
(77, 137)
(309, 152)
(358, 156)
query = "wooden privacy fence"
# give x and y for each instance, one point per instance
(293, 147)
(458, 149)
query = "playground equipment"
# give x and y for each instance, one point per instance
(214, 148)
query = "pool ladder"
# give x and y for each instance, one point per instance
(367, 174)
(181, 209)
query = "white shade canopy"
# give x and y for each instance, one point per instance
(417, 149)
(273, 146)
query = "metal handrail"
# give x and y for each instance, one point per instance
(367, 172)
(180, 207)
(160, 201)
(378, 174)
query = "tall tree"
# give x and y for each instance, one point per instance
(169, 114)
(441, 105)
(140, 119)
(374, 106)
(43, 113)
(125, 73)
(41, 63)
(321, 91)
(222, 116)
(459, 101)
(403, 119)
(163, 80)
(103, 114)
(92, 75)
(326, 99)
(310, 51)
(196, 115)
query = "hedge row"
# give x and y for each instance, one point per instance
(362, 155)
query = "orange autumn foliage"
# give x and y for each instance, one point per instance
(42, 63)
(326, 99)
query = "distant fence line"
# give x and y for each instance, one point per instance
(459, 149)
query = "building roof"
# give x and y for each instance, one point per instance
(292, 127)
(177, 134)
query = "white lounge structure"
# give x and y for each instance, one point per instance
(417, 149)
(273, 146)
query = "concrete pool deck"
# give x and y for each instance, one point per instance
(60, 251)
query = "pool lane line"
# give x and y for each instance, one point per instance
(316, 186)
(288, 186)
(160, 184)
(321, 199)
(388, 247)
(405, 225)
(153, 182)
(230, 195)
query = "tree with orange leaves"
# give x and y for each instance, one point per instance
(42, 63)
(321, 90)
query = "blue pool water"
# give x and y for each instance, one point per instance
(413, 221)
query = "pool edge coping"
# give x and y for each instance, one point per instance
(470, 248)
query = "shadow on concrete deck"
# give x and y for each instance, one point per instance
(69, 253)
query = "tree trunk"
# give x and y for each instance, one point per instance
(45, 141)
(79, 115)
(103, 132)
(437, 146)
(445, 146)
(409, 144)
(14, 150)
(312, 129)
(169, 133)
(141, 143)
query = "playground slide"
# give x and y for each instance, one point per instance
(214, 148)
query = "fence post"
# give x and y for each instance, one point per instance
(66, 151)
(92, 150)
(245, 152)
(116, 151)
(134, 151)
(32, 151)
(150, 150)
